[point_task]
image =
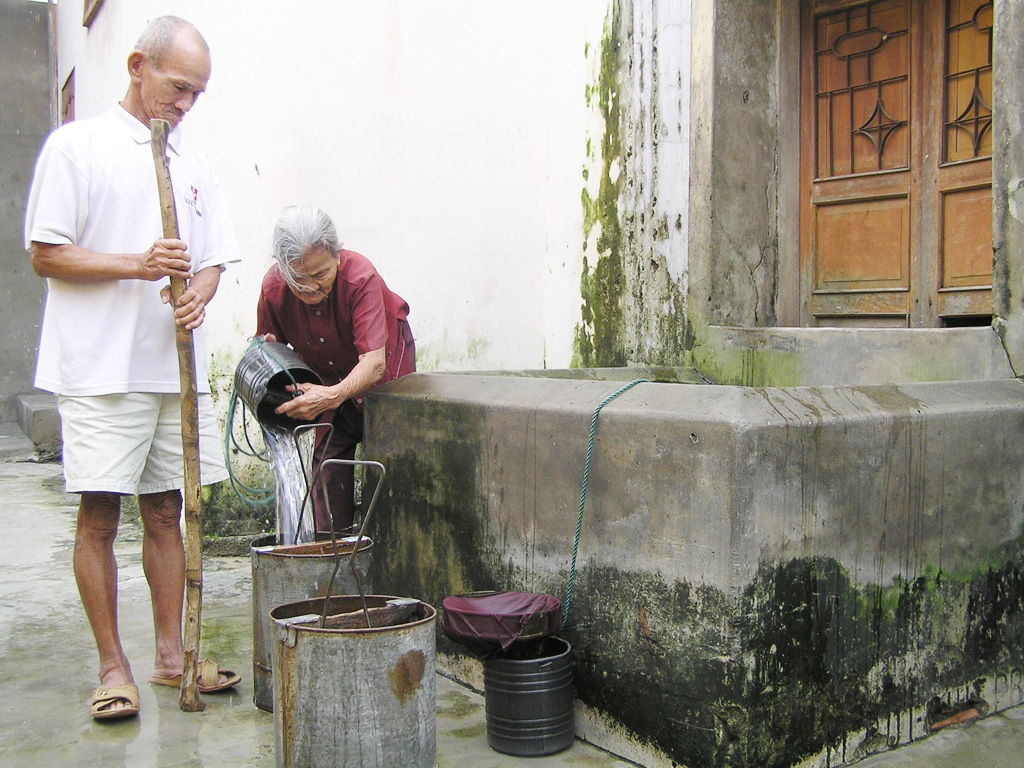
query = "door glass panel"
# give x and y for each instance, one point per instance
(968, 132)
(862, 89)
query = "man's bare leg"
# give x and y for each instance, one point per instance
(163, 561)
(96, 574)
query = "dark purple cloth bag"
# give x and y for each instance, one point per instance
(491, 621)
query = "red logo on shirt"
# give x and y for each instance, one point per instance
(193, 201)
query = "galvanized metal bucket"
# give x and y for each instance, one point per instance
(283, 574)
(359, 698)
(262, 375)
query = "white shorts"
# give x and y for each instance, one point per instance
(131, 443)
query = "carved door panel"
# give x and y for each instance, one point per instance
(896, 162)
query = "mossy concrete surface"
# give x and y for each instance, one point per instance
(765, 575)
(791, 357)
(633, 203)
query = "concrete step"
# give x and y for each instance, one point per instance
(14, 445)
(37, 415)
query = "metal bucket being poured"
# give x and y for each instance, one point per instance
(263, 374)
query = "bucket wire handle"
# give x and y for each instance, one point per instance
(306, 478)
(359, 537)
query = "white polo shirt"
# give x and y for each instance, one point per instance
(95, 186)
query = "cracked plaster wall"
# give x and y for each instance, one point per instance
(1008, 181)
(734, 178)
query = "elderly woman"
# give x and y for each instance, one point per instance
(335, 311)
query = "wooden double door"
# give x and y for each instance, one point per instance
(896, 163)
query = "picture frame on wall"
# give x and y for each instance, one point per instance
(90, 10)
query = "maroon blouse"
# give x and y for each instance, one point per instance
(359, 315)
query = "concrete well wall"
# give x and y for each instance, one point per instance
(765, 575)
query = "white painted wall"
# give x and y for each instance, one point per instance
(446, 138)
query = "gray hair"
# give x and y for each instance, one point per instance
(159, 35)
(299, 231)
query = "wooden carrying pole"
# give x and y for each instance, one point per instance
(190, 700)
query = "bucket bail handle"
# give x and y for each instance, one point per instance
(359, 537)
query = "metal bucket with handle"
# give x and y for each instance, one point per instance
(354, 676)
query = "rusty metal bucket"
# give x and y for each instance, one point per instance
(359, 698)
(354, 676)
(283, 574)
(294, 572)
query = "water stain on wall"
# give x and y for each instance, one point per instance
(633, 309)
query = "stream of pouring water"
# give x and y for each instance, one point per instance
(294, 519)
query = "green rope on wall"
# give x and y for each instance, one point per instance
(583, 493)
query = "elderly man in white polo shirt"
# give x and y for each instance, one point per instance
(107, 348)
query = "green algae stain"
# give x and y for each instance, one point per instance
(762, 674)
(795, 664)
(470, 732)
(770, 368)
(826, 657)
(456, 704)
(598, 337)
(226, 640)
(226, 514)
(745, 367)
(429, 527)
(670, 327)
(646, 651)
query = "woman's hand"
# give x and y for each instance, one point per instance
(313, 400)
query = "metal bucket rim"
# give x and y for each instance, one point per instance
(283, 624)
(269, 550)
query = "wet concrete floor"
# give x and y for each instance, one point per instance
(48, 667)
